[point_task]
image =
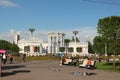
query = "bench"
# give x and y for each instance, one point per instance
(67, 61)
(83, 65)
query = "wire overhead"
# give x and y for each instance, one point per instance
(104, 2)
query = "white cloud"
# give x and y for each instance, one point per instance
(89, 33)
(6, 36)
(86, 33)
(7, 3)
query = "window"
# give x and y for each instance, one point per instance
(62, 49)
(26, 48)
(70, 49)
(79, 49)
(36, 49)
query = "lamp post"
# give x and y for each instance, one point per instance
(75, 34)
(31, 30)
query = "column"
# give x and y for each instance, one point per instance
(40, 47)
(48, 43)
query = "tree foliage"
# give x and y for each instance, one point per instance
(67, 41)
(109, 34)
(99, 45)
(90, 48)
(77, 39)
(109, 31)
(109, 27)
(10, 47)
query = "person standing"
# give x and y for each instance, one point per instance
(60, 55)
(24, 56)
(11, 59)
(4, 58)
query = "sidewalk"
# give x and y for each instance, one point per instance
(50, 70)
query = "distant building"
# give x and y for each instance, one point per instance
(55, 41)
(16, 38)
(34, 46)
(78, 48)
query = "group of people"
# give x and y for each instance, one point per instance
(10, 57)
(5, 57)
(88, 62)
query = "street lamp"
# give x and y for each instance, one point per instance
(31, 30)
(75, 33)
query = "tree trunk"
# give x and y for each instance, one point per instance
(114, 64)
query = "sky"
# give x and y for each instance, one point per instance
(17, 16)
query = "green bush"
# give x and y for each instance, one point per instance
(49, 57)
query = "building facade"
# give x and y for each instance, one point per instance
(55, 41)
(78, 48)
(34, 46)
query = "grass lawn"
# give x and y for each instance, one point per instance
(107, 66)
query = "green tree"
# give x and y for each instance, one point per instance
(98, 45)
(10, 47)
(109, 28)
(77, 39)
(90, 47)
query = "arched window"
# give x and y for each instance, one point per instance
(62, 49)
(79, 49)
(36, 49)
(70, 49)
(26, 48)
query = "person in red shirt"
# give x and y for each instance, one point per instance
(89, 63)
(11, 59)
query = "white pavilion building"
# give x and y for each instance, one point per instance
(34, 46)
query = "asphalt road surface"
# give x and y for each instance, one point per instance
(50, 70)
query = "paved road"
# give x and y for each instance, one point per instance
(50, 70)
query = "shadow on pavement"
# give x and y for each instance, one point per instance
(12, 67)
(83, 73)
(14, 72)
